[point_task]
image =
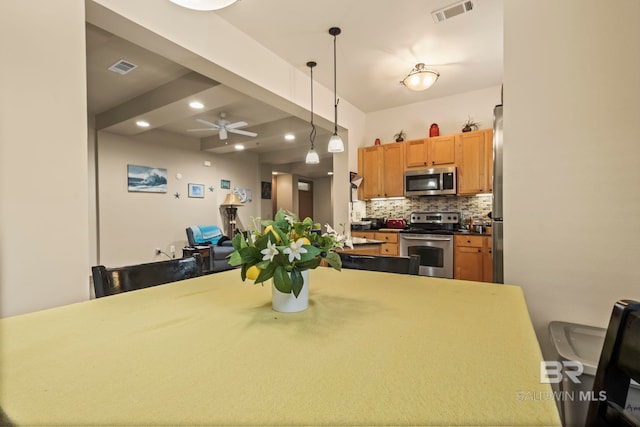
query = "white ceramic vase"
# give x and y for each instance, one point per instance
(288, 303)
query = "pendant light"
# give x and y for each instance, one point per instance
(312, 154)
(335, 142)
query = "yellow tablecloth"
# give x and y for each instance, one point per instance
(371, 349)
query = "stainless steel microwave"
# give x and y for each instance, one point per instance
(430, 182)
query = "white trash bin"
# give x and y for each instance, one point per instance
(582, 343)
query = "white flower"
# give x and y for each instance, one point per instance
(341, 239)
(270, 251)
(295, 249)
(290, 219)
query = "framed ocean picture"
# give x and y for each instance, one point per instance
(196, 190)
(146, 179)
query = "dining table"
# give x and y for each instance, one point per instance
(372, 348)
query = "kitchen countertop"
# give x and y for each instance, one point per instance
(362, 241)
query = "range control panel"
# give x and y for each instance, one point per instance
(435, 217)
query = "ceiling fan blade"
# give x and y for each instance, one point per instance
(204, 122)
(194, 130)
(236, 125)
(242, 132)
(223, 133)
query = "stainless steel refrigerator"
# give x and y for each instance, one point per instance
(496, 213)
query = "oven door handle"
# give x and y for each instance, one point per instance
(427, 239)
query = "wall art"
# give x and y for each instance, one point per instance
(225, 184)
(146, 179)
(266, 190)
(196, 190)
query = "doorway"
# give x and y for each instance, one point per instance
(305, 199)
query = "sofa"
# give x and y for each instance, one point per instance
(219, 246)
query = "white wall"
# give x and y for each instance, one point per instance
(449, 113)
(571, 157)
(194, 43)
(323, 202)
(44, 231)
(133, 224)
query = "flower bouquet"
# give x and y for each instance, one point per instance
(285, 248)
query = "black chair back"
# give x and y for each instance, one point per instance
(111, 281)
(619, 363)
(389, 264)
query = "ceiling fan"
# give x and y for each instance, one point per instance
(223, 126)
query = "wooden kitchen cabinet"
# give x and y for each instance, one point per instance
(382, 171)
(430, 152)
(474, 158)
(391, 245)
(364, 234)
(472, 258)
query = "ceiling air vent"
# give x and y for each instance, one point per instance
(122, 67)
(452, 10)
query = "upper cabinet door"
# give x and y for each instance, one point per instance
(442, 150)
(417, 153)
(370, 167)
(393, 169)
(470, 155)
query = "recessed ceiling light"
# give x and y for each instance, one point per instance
(196, 105)
(142, 124)
(274, 173)
(239, 147)
(289, 137)
(329, 173)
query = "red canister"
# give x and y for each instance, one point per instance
(434, 130)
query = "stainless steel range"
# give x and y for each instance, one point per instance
(430, 235)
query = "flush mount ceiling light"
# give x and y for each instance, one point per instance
(289, 137)
(312, 155)
(204, 4)
(420, 78)
(335, 142)
(142, 124)
(196, 105)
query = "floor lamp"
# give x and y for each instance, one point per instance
(231, 204)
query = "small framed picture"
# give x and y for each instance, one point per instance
(196, 190)
(225, 184)
(266, 190)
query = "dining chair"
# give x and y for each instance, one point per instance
(619, 364)
(111, 281)
(389, 264)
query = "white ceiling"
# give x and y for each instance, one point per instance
(380, 43)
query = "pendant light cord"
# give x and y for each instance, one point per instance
(335, 86)
(312, 135)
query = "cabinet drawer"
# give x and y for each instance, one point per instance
(364, 234)
(474, 241)
(387, 237)
(389, 249)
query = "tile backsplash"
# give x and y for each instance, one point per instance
(401, 208)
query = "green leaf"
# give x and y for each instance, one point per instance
(334, 260)
(281, 280)
(312, 252)
(238, 241)
(308, 265)
(243, 272)
(235, 258)
(296, 282)
(266, 274)
(250, 255)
